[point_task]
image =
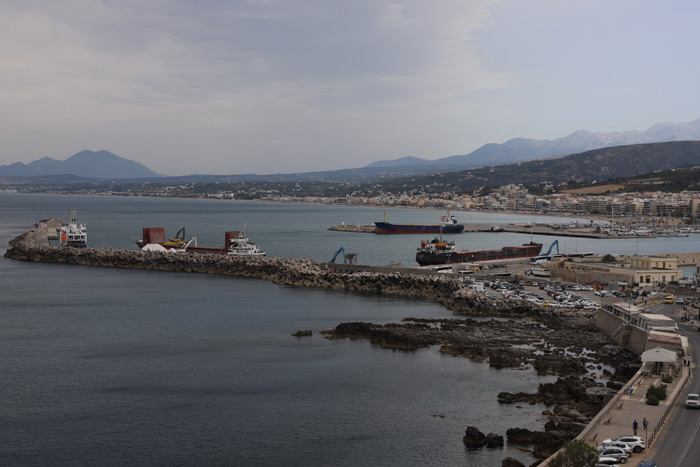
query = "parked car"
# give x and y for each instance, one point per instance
(618, 453)
(647, 464)
(692, 401)
(635, 442)
(624, 446)
(603, 461)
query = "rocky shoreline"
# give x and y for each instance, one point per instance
(553, 342)
(571, 348)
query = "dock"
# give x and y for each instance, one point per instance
(535, 229)
(357, 228)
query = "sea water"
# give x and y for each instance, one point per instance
(128, 367)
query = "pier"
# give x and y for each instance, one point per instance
(536, 229)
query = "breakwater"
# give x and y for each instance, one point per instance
(34, 245)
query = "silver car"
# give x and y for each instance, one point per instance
(692, 401)
(618, 453)
(618, 444)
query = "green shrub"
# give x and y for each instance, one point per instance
(652, 399)
(659, 392)
(667, 379)
(575, 452)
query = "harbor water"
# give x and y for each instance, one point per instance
(126, 367)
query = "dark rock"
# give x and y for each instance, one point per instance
(473, 438)
(303, 333)
(494, 441)
(510, 462)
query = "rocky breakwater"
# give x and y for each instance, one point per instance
(449, 292)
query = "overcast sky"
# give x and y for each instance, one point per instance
(228, 87)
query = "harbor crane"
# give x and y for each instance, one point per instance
(350, 258)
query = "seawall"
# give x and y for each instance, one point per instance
(622, 333)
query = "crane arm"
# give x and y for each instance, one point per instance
(340, 250)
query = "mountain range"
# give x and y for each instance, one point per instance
(105, 165)
(88, 164)
(523, 149)
(589, 166)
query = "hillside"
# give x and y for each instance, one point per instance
(669, 181)
(599, 164)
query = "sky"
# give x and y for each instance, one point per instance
(265, 86)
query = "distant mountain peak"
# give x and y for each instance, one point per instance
(525, 149)
(86, 163)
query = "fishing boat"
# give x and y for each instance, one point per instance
(73, 234)
(242, 246)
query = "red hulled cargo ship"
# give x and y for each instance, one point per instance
(439, 251)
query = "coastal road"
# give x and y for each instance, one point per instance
(679, 444)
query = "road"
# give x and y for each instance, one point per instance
(678, 445)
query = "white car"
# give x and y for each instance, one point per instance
(604, 461)
(624, 446)
(635, 442)
(612, 451)
(692, 401)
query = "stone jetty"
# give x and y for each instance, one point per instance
(357, 228)
(450, 292)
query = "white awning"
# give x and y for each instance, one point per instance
(659, 355)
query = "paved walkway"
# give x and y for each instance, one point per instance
(618, 416)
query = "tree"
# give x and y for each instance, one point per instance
(575, 453)
(608, 258)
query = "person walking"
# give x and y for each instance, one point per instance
(635, 425)
(645, 423)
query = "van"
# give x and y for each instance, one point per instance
(669, 299)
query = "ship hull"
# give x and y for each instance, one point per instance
(428, 258)
(387, 228)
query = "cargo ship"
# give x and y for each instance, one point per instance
(448, 224)
(439, 251)
(236, 243)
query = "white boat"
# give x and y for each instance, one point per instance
(242, 246)
(73, 234)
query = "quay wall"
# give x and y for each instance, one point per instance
(584, 277)
(622, 333)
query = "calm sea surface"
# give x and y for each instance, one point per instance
(123, 367)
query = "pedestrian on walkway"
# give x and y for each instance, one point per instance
(688, 360)
(645, 423)
(635, 425)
